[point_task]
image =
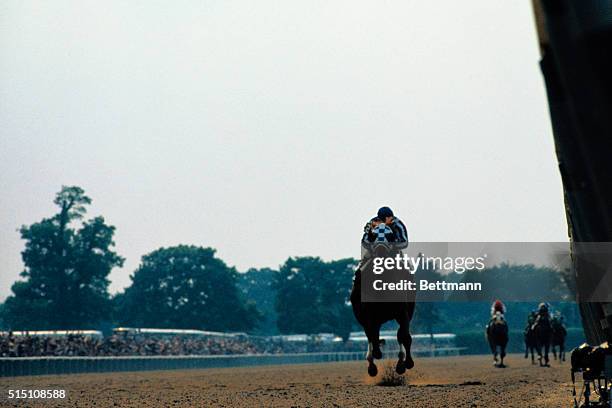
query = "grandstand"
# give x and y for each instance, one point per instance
(129, 349)
(54, 333)
(177, 332)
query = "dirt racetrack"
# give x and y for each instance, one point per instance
(467, 381)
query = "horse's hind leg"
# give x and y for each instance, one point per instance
(404, 361)
(502, 354)
(493, 348)
(561, 352)
(554, 351)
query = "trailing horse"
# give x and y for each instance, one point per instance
(372, 315)
(543, 334)
(558, 339)
(497, 336)
(530, 339)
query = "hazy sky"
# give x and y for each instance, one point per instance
(271, 129)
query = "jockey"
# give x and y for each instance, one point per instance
(531, 318)
(542, 314)
(399, 234)
(557, 319)
(385, 227)
(497, 312)
(544, 309)
(498, 306)
(558, 325)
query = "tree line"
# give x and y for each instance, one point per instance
(68, 258)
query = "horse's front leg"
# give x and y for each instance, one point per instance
(562, 352)
(539, 351)
(502, 354)
(374, 338)
(546, 350)
(372, 333)
(372, 369)
(492, 346)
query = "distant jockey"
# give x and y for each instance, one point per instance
(531, 318)
(542, 314)
(557, 321)
(498, 307)
(544, 309)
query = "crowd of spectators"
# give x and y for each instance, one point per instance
(156, 345)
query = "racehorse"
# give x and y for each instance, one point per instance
(372, 315)
(530, 339)
(558, 339)
(497, 336)
(543, 335)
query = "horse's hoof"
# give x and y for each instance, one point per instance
(408, 363)
(372, 369)
(400, 367)
(377, 354)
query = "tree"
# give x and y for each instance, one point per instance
(427, 316)
(185, 287)
(257, 286)
(312, 296)
(66, 271)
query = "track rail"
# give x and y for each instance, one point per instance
(25, 366)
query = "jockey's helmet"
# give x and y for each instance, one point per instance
(384, 212)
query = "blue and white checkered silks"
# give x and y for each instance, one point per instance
(381, 231)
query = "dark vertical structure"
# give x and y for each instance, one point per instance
(576, 45)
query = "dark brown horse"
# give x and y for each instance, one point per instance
(372, 315)
(530, 338)
(558, 338)
(497, 336)
(543, 334)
